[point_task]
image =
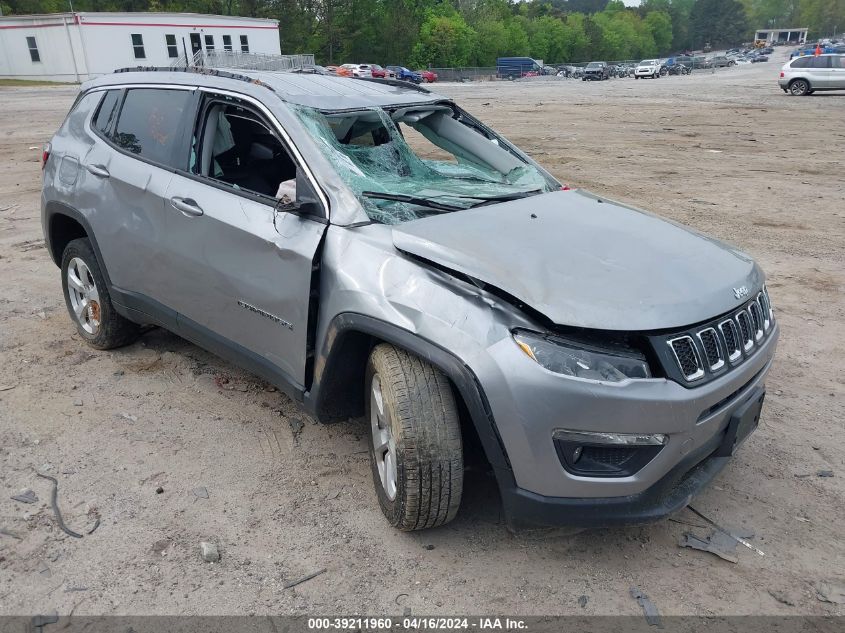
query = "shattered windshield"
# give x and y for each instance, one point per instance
(412, 162)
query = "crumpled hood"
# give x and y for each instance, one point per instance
(587, 263)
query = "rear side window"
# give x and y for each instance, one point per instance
(839, 62)
(149, 123)
(107, 110)
(801, 62)
(820, 62)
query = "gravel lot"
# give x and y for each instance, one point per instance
(727, 153)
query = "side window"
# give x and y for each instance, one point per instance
(138, 46)
(31, 44)
(839, 62)
(227, 42)
(801, 62)
(820, 62)
(235, 145)
(209, 43)
(149, 123)
(244, 44)
(108, 109)
(172, 49)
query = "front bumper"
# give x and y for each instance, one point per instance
(528, 403)
(645, 72)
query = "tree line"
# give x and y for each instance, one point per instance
(446, 33)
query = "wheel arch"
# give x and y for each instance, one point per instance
(338, 387)
(804, 79)
(62, 224)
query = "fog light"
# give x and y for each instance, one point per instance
(591, 454)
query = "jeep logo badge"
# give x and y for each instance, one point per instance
(741, 292)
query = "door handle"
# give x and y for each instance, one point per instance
(98, 170)
(186, 206)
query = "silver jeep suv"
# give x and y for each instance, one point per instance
(372, 249)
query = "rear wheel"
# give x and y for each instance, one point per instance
(415, 440)
(88, 301)
(799, 87)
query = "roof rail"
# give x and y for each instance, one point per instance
(399, 83)
(195, 70)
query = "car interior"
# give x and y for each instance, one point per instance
(238, 148)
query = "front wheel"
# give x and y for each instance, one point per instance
(416, 455)
(88, 300)
(799, 87)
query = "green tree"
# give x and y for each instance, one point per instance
(445, 41)
(718, 22)
(659, 24)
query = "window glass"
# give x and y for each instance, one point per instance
(820, 62)
(801, 62)
(244, 44)
(138, 46)
(236, 146)
(106, 112)
(33, 49)
(149, 122)
(227, 42)
(839, 62)
(172, 49)
(209, 43)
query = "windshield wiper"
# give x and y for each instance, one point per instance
(422, 202)
(503, 198)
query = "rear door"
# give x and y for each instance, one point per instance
(821, 72)
(838, 72)
(240, 269)
(126, 174)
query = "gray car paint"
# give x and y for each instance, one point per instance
(580, 263)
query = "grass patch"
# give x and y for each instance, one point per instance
(13, 83)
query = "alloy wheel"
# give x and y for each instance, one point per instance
(84, 296)
(384, 444)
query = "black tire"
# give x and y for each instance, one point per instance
(799, 87)
(420, 412)
(112, 330)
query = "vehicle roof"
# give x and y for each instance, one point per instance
(324, 92)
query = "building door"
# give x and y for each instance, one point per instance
(196, 44)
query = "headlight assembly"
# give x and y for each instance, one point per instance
(570, 358)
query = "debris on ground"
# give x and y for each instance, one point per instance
(719, 543)
(652, 615)
(296, 426)
(128, 417)
(26, 496)
(831, 591)
(159, 490)
(77, 403)
(299, 581)
(55, 503)
(583, 600)
(824, 473)
(741, 539)
(7, 387)
(200, 492)
(781, 597)
(6, 532)
(44, 570)
(209, 552)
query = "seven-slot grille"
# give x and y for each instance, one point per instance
(722, 345)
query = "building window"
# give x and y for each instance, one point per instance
(227, 42)
(33, 49)
(138, 46)
(172, 49)
(209, 43)
(244, 44)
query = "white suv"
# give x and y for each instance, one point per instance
(804, 75)
(648, 68)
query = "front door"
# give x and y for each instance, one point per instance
(196, 44)
(240, 270)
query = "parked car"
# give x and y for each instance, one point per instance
(378, 72)
(359, 70)
(428, 76)
(596, 71)
(759, 58)
(434, 298)
(805, 75)
(313, 70)
(343, 71)
(400, 72)
(516, 67)
(648, 68)
(721, 61)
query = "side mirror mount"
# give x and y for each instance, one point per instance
(306, 204)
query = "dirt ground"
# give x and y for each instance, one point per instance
(727, 153)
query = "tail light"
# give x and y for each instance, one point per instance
(566, 188)
(782, 74)
(45, 154)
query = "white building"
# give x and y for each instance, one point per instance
(77, 46)
(790, 36)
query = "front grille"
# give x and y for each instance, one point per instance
(713, 348)
(687, 357)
